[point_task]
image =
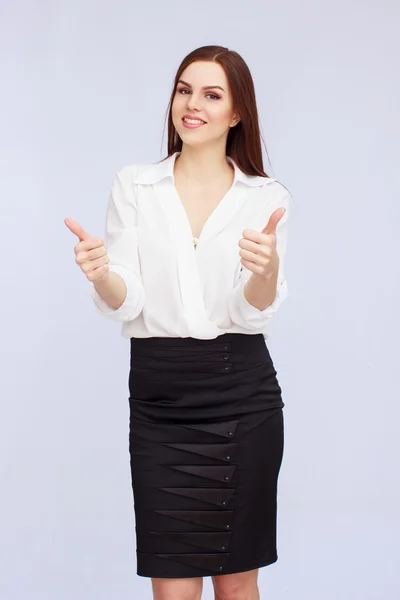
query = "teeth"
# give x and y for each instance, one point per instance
(193, 121)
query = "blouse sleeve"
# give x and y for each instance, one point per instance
(240, 310)
(121, 244)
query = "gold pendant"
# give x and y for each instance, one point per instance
(195, 240)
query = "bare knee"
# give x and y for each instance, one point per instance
(238, 586)
(189, 588)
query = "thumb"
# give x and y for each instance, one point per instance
(274, 220)
(76, 229)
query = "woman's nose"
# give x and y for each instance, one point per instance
(194, 104)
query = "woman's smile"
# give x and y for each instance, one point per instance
(192, 123)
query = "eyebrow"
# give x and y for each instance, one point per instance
(205, 87)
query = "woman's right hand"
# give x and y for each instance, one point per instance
(91, 254)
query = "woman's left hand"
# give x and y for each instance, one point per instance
(258, 250)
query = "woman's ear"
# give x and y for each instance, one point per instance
(235, 120)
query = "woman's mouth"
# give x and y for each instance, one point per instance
(192, 123)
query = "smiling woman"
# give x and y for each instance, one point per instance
(196, 246)
(216, 85)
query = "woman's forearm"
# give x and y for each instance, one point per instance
(261, 292)
(112, 290)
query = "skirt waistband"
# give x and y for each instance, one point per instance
(224, 354)
(194, 380)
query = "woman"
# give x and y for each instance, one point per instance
(192, 266)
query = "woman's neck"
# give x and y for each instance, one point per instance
(202, 167)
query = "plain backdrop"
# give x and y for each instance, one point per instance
(85, 87)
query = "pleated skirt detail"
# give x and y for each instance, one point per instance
(206, 446)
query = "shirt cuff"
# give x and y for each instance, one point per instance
(248, 316)
(133, 303)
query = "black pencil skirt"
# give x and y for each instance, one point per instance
(206, 446)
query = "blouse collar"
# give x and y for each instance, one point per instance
(155, 172)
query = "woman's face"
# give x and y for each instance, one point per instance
(213, 106)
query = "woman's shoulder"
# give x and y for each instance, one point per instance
(274, 190)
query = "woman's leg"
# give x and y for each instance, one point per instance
(237, 586)
(186, 588)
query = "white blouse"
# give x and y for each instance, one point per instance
(174, 287)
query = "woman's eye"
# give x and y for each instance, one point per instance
(186, 90)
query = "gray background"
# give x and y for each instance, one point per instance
(85, 87)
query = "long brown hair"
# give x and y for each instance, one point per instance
(243, 144)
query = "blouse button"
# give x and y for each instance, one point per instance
(230, 433)
(227, 368)
(227, 457)
(226, 347)
(223, 547)
(226, 478)
(223, 502)
(226, 356)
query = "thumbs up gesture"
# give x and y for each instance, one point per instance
(258, 250)
(91, 255)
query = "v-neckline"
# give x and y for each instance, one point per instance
(211, 216)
